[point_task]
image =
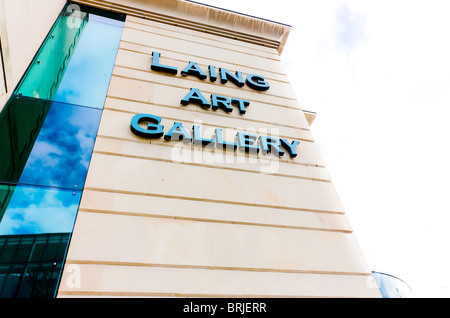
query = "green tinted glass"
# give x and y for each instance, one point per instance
(47, 69)
(20, 123)
(76, 61)
(46, 143)
(47, 133)
(30, 265)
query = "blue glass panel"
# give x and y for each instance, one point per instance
(107, 20)
(37, 210)
(61, 153)
(88, 74)
(76, 61)
(46, 143)
(391, 286)
(47, 134)
(47, 69)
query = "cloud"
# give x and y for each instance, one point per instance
(61, 154)
(348, 28)
(37, 210)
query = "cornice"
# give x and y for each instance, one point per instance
(203, 18)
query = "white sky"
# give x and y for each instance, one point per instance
(377, 73)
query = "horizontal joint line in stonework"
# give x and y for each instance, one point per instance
(118, 66)
(184, 87)
(223, 268)
(184, 108)
(212, 125)
(277, 59)
(200, 35)
(175, 217)
(212, 200)
(206, 28)
(212, 30)
(195, 56)
(167, 144)
(111, 153)
(188, 295)
(166, 19)
(171, 295)
(182, 61)
(216, 31)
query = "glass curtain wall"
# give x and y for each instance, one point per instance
(47, 134)
(391, 286)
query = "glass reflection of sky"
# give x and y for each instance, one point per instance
(38, 210)
(62, 151)
(87, 76)
(47, 195)
(391, 287)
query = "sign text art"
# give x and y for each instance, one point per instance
(245, 141)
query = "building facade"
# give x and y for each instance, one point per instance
(157, 148)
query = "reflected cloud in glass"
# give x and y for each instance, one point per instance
(75, 64)
(88, 74)
(62, 151)
(39, 210)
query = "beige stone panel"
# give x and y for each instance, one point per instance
(103, 237)
(161, 28)
(135, 175)
(147, 92)
(144, 205)
(142, 61)
(196, 49)
(259, 112)
(278, 91)
(124, 131)
(3, 95)
(215, 119)
(204, 156)
(207, 88)
(145, 55)
(116, 125)
(195, 37)
(116, 280)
